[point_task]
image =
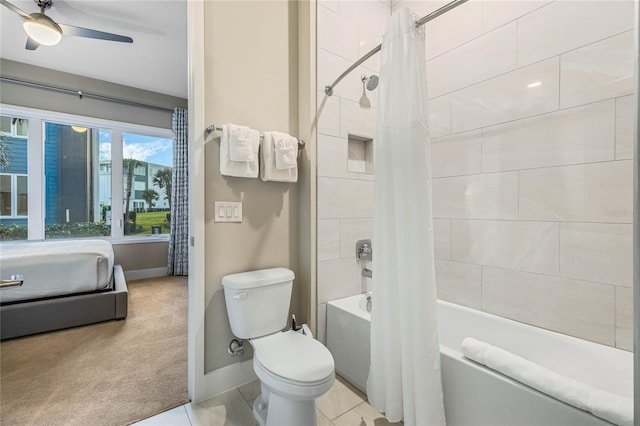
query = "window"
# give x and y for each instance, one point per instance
(98, 179)
(148, 165)
(75, 189)
(14, 182)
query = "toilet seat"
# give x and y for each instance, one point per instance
(294, 358)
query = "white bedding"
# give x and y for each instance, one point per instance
(54, 268)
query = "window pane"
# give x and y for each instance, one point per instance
(5, 195)
(21, 126)
(76, 196)
(5, 124)
(147, 168)
(13, 183)
(22, 201)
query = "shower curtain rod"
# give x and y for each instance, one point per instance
(82, 94)
(420, 22)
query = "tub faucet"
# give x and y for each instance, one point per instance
(366, 272)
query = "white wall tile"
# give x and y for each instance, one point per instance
(440, 116)
(602, 70)
(442, 238)
(367, 41)
(496, 13)
(457, 155)
(624, 127)
(337, 279)
(328, 115)
(352, 230)
(507, 97)
(525, 246)
(454, 28)
(459, 283)
(490, 196)
(330, 66)
(419, 7)
(356, 120)
(328, 239)
(344, 198)
(332, 157)
(600, 252)
(597, 192)
(321, 333)
(577, 308)
(624, 318)
(573, 136)
(487, 56)
(372, 15)
(333, 5)
(336, 34)
(565, 25)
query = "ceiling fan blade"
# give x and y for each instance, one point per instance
(15, 9)
(31, 44)
(86, 32)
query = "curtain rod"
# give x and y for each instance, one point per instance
(82, 94)
(420, 22)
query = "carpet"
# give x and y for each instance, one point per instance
(112, 373)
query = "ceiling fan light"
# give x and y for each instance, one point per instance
(43, 32)
(79, 129)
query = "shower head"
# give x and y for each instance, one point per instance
(371, 81)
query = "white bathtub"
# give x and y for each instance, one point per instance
(476, 395)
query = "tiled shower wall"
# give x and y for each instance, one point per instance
(346, 31)
(531, 124)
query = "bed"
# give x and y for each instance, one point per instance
(54, 285)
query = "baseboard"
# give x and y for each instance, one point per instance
(226, 378)
(141, 274)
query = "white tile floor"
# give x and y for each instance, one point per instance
(343, 405)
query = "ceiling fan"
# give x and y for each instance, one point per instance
(42, 30)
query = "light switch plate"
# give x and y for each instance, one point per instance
(227, 211)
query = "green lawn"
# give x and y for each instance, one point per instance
(146, 220)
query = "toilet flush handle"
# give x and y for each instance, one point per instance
(241, 296)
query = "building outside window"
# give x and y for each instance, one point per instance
(81, 196)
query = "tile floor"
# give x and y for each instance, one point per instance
(343, 405)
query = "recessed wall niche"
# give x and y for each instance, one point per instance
(360, 156)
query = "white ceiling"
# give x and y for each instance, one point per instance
(156, 61)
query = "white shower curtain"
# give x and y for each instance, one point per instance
(404, 378)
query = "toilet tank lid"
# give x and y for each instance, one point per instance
(260, 278)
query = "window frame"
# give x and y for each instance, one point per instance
(36, 181)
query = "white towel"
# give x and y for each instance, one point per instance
(232, 134)
(269, 170)
(286, 148)
(610, 407)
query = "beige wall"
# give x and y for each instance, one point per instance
(133, 257)
(251, 74)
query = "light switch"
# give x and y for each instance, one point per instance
(228, 211)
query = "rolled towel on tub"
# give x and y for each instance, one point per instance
(610, 407)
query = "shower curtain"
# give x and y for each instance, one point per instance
(404, 378)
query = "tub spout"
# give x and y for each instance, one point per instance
(366, 272)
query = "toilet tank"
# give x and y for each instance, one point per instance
(258, 301)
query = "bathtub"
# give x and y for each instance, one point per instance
(474, 394)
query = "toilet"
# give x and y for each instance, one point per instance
(294, 369)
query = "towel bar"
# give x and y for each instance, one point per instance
(213, 128)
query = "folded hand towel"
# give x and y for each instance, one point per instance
(237, 135)
(269, 170)
(286, 152)
(611, 407)
(240, 149)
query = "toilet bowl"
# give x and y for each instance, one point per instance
(294, 369)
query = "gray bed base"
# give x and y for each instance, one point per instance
(23, 319)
